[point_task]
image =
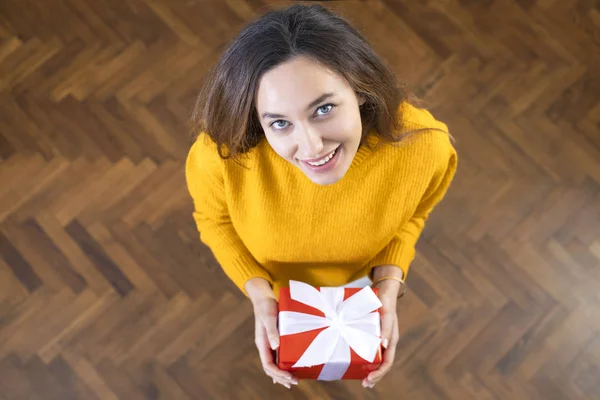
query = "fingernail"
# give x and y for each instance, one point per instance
(385, 342)
(273, 380)
(287, 385)
(365, 384)
(371, 386)
(274, 344)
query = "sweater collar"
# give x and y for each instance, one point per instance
(365, 149)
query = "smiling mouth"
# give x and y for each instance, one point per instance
(323, 160)
(324, 163)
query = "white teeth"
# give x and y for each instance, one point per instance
(323, 161)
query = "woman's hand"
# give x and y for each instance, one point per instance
(266, 334)
(388, 291)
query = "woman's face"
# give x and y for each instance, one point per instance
(311, 118)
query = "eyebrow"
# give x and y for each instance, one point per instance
(313, 103)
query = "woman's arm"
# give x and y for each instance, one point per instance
(204, 175)
(401, 250)
(383, 271)
(394, 260)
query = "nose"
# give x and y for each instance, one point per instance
(310, 144)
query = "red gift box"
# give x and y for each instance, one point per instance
(294, 346)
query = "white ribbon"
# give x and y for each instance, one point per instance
(350, 323)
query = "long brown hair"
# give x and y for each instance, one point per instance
(226, 109)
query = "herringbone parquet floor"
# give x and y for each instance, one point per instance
(107, 293)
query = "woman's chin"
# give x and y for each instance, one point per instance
(328, 178)
(324, 180)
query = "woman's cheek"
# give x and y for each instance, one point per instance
(282, 147)
(338, 128)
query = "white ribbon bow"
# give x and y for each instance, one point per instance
(350, 323)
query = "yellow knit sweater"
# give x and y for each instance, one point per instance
(269, 220)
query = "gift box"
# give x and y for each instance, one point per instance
(329, 333)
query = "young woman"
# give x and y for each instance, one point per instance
(312, 165)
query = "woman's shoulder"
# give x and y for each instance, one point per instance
(433, 143)
(426, 143)
(423, 132)
(202, 145)
(204, 155)
(203, 158)
(414, 118)
(205, 151)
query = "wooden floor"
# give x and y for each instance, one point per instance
(107, 293)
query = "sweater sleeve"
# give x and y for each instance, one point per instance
(400, 252)
(204, 176)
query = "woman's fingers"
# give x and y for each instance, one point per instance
(282, 382)
(386, 365)
(270, 323)
(388, 358)
(266, 313)
(266, 359)
(267, 339)
(272, 370)
(388, 317)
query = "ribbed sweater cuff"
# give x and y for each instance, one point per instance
(242, 269)
(237, 262)
(398, 253)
